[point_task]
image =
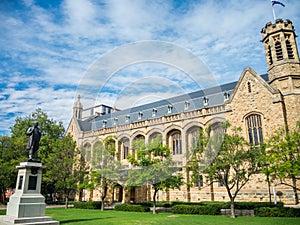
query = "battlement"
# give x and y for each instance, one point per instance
(279, 24)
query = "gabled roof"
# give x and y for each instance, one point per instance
(264, 80)
(174, 105)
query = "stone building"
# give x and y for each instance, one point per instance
(259, 104)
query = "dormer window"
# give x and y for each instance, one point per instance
(154, 112)
(170, 107)
(127, 118)
(186, 105)
(116, 121)
(205, 101)
(226, 96)
(104, 122)
(140, 115)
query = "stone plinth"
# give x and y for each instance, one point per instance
(27, 205)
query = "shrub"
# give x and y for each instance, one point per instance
(276, 212)
(87, 205)
(253, 205)
(196, 209)
(167, 204)
(132, 208)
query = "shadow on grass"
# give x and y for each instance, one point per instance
(81, 220)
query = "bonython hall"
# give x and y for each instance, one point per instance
(259, 104)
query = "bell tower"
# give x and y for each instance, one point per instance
(284, 67)
(282, 56)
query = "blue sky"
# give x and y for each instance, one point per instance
(47, 48)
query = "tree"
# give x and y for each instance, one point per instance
(154, 166)
(203, 151)
(234, 165)
(63, 171)
(104, 169)
(283, 158)
(14, 150)
(7, 175)
(195, 157)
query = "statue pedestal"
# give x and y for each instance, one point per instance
(27, 205)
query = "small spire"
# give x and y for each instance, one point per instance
(77, 103)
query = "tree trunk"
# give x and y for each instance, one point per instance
(188, 189)
(295, 190)
(232, 211)
(212, 194)
(102, 205)
(105, 188)
(66, 201)
(3, 195)
(154, 201)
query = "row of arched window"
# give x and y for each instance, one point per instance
(174, 139)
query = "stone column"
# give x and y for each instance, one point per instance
(27, 205)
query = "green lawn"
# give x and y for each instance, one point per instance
(95, 217)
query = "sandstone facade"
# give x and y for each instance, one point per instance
(257, 104)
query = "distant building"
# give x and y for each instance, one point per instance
(259, 104)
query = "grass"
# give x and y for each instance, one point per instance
(110, 217)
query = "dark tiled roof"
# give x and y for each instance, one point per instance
(195, 100)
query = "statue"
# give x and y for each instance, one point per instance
(33, 143)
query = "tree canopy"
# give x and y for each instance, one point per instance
(55, 151)
(153, 166)
(282, 157)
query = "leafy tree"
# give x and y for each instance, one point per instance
(63, 171)
(153, 165)
(8, 174)
(195, 157)
(104, 169)
(283, 158)
(203, 151)
(234, 165)
(14, 151)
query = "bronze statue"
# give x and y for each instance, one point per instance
(33, 143)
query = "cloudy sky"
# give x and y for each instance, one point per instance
(124, 52)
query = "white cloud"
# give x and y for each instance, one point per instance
(45, 51)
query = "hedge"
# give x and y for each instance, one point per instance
(254, 205)
(87, 205)
(223, 205)
(277, 212)
(196, 209)
(132, 208)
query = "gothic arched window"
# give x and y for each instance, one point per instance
(289, 49)
(125, 147)
(87, 152)
(270, 55)
(278, 50)
(254, 127)
(175, 143)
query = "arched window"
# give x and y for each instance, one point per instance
(176, 143)
(270, 55)
(289, 49)
(110, 145)
(124, 147)
(98, 155)
(193, 135)
(87, 152)
(254, 127)
(278, 50)
(155, 136)
(137, 143)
